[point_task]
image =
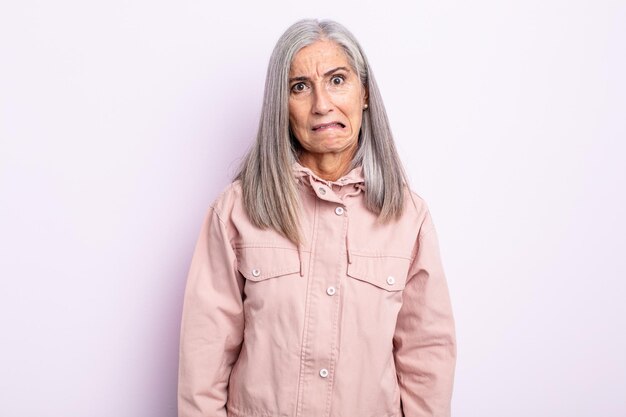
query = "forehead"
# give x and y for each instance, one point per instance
(317, 57)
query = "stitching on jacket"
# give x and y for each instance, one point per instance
(263, 245)
(378, 255)
(334, 347)
(307, 311)
(274, 273)
(234, 412)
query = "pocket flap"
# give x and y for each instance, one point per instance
(259, 263)
(386, 272)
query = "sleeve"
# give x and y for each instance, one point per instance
(424, 341)
(212, 323)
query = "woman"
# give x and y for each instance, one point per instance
(316, 286)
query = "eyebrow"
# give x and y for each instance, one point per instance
(327, 73)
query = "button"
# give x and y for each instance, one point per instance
(331, 291)
(339, 211)
(256, 272)
(322, 190)
(391, 280)
(323, 372)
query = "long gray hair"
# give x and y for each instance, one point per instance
(270, 193)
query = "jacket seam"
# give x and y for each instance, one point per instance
(272, 274)
(265, 246)
(379, 255)
(334, 350)
(217, 213)
(235, 412)
(307, 311)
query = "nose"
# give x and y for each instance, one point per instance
(322, 102)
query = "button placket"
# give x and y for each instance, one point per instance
(327, 331)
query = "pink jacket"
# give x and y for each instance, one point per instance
(356, 322)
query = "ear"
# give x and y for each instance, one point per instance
(366, 96)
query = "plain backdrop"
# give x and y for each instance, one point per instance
(121, 121)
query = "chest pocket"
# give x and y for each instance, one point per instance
(263, 262)
(386, 272)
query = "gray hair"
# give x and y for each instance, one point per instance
(270, 192)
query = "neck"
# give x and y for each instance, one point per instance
(328, 166)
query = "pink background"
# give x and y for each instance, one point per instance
(120, 122)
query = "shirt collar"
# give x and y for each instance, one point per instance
(354, 176)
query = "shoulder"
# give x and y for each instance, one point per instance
(416, 207)
(414, 203)
(228, 200)
(228, 210)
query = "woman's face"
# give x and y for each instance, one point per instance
(326, 99)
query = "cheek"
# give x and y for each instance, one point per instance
(296, 118)
(356, 115)
(353, 106)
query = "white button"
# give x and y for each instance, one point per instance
(339, 211)
(256, 272)
(322, 190)
(323, 372)
(391, 280)
(331, 291)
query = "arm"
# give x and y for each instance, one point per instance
(424, 340)
(212, 323)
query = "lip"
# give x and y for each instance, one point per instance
(330, 125)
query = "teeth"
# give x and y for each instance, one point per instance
(329, 125)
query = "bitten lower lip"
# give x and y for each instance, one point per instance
(333, 125)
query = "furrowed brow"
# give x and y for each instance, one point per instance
(301, 78)
(327, 73)
(335, 70)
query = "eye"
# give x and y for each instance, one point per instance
(298, 87)
(337, 79)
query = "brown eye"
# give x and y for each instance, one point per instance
(299, 87)
(337, 80)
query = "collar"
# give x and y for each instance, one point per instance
(354, 176)
(324, 190)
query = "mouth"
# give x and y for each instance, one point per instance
(331, 125)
